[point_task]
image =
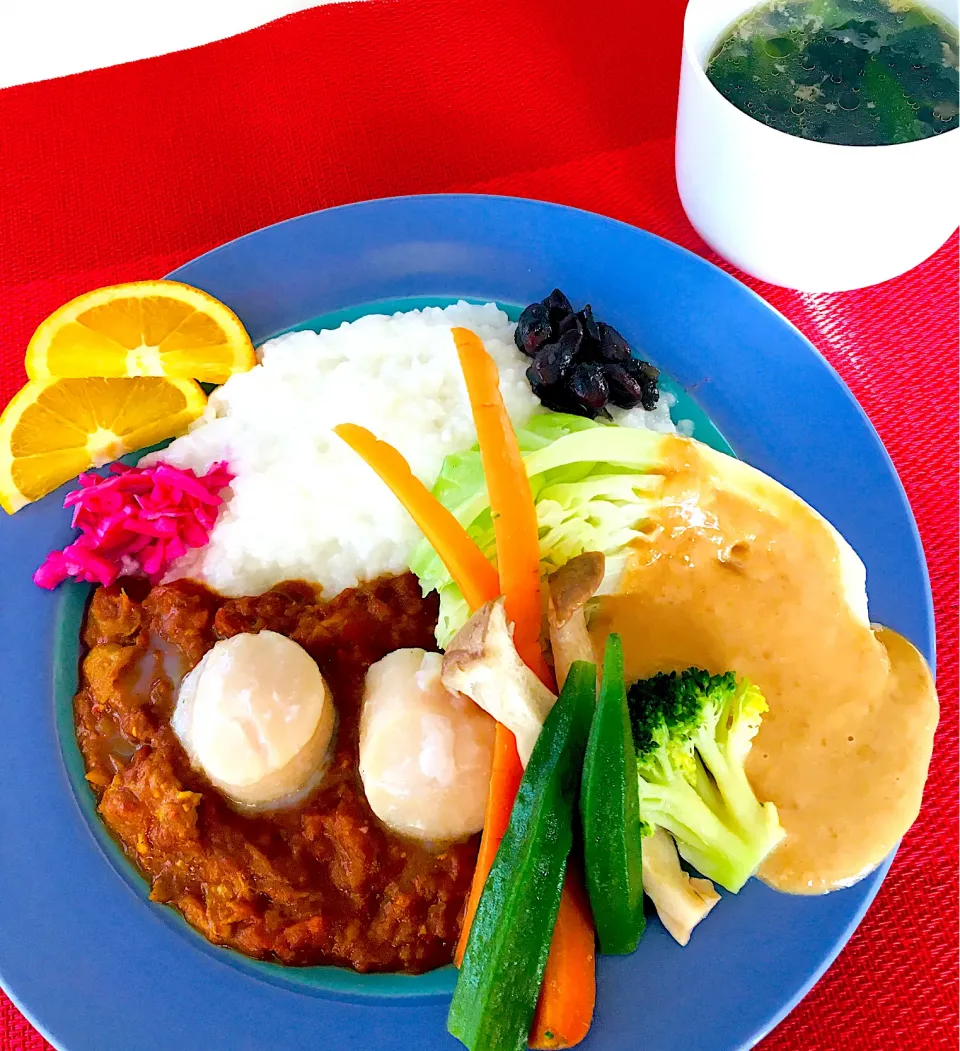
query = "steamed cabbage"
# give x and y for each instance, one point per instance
(594, 485)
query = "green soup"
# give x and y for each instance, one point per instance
(854, 72)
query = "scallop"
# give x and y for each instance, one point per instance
(256, 717)
(425, 753)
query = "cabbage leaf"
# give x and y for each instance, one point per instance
(595, 486)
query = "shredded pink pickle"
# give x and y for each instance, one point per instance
(135, 522)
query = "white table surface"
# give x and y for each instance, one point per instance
(40, 39)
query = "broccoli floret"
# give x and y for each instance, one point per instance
(692, 732)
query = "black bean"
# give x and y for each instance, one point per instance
(613, 347)
(651, 395)
(533, 329)
(626, 391)
(558, 399)
(553, 360)
(590, 327)
(535, 376)
(579, 363)
(571, 323)
(588, 385)
(558, 305)
(646, 375)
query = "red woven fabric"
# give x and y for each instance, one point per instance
(126, 173)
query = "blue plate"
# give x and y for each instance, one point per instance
(94, 965)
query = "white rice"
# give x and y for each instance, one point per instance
(303, 505)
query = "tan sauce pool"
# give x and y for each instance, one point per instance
(844, 750)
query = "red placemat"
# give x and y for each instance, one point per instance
(126, 173)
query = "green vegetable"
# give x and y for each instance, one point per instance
(594, 485)
(609, 808)
(897, 116)
(502, 969)
(692, 733)
(830, 13)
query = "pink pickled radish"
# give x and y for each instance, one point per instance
(135, 521)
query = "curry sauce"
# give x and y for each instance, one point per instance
(765, 587)
(321, 882)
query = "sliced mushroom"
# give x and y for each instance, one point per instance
(681, 900)
(569, 589)
(482, 663)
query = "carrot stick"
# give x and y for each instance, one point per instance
(511, 501)
(565, 1008)
(567, 998)
(465, 562)
(518, 564)
(504, 781)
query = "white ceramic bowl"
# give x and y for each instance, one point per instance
(808, 215)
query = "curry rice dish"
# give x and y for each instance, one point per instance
(588, 614)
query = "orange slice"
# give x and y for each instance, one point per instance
(54, 429)
(144, 328)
